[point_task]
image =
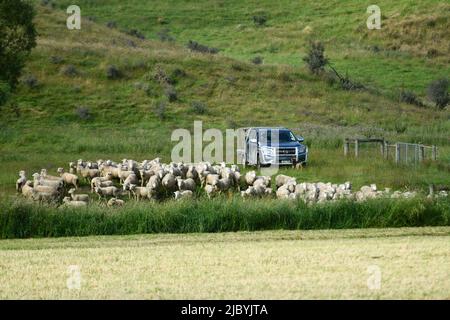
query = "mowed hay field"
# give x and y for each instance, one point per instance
(414, 263)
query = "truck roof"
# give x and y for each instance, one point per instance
(266, 128)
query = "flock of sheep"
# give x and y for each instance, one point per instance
(152, 179)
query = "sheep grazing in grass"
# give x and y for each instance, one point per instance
(186, 194)
(250, 177)
(223, 185)
(140, 192)
(145, 175)
(186, 184)
(169, 182)
(67, 202)
(88, 174)
(27, 189)
(102, 181)
(72, 167)
(192, 173)
(123, 174)
(42, 196)
(107, 192)
(211, 179)
(154, 183)
(78, 197)
(49, 187)
(68, 178)
(114, 202)
(282, 179)
(131, 179)
(283, 192)
(21, 181)
(211, 190)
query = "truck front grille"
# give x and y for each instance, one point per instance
(287, 152)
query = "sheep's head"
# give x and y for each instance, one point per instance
(22, 173)
(177, 194)
(36, 175)
(43, 172)
(60, 170)
(71, 191)
(66, 199)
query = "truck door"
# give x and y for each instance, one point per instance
(252, 147)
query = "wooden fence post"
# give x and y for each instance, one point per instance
(422, 153)
(434, 153)
(346, 147)
(397, 153)
(356, 148)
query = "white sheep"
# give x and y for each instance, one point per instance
(282, 179)
(169, 182)
(78, 197)
(68, 178)
(114, 202)
(140, 192)
(186, 184)
(107, 192)
(250, 177)
(223, 184)
(21, 181)
(185, 194)
(73, 203)
(210, 190)
(27, 189)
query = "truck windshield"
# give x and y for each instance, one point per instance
(283, 136)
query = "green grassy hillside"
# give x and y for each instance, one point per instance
(409, 51)
(83, 114)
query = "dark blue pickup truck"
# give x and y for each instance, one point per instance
(263, 146)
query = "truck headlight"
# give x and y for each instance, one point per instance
(301, 149)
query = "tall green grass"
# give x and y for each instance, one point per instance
(26, 220)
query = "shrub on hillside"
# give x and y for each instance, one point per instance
(257, 60)
(83, 113)
(164, 36)
(5, 91)
(195, 46)
(410, 98)
(170, 93)
(69, 70)
(113, 73)
(315, 58)
(160, 109)
(135, 33)
(56, 60)
(199, 107)
(30, 81)
(438, 92)
(111, 24)
(260, 19)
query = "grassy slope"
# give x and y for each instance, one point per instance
(262, 265)
(409, 31)
(48, 133)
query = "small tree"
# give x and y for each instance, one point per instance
(17, 38)
(315, 59)
(438, 92)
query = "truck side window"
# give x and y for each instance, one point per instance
(252, 134)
